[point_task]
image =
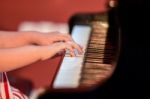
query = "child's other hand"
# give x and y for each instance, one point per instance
(50, 38)
(51, 50)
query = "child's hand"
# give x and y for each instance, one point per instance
(50, 38)
(51, 50)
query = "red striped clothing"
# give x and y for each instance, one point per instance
(7, 91)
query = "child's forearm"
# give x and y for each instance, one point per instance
(13, 58)
(16, 39)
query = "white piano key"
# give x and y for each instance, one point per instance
(67, 61)
(70, 71)
(68, 79)
(80, 34)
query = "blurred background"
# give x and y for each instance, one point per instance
(13, 13)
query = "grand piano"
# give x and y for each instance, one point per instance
(99, 34)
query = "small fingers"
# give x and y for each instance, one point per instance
(71, 50)
(65, 37)
(76, 46)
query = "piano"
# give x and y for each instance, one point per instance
(99, 34)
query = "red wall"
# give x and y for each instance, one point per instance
(12, 12)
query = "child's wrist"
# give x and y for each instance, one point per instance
(32, 37)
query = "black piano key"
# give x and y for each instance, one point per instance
(98, 66)
(99, 51)
(93, 76)
(98, 61)
(99, 54)
(87, 83)
(98, 58)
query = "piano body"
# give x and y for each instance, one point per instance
(99, 34)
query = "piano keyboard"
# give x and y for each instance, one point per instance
(71, 67)
(97, 65)
(94, 65)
